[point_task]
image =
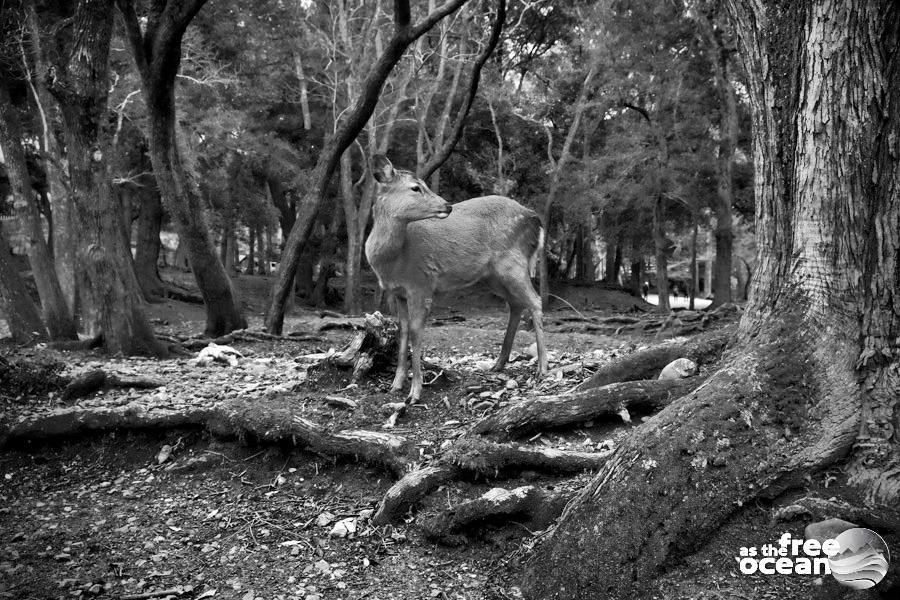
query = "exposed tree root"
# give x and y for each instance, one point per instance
(879, 518)
(647, 364)
(758, 426)
(235, 419)
(242, 335)
(537, 506)
(174, 292)
(479, 457)
(73, 345)
(93, 381)
(534, 414)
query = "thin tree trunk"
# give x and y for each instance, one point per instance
(635, 282)
(693, 265)
(264, 242)
(250, 269)
(15, 302)
(55, 311)
(662, 262)
(304, 94)
(149, 223)
(351, 269)
(728, 134)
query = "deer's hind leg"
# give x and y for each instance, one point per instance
(517, 283)
(402, 371)
(512, 326)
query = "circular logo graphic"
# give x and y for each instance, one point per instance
(862, 560)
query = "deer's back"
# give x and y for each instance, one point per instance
(480, 236)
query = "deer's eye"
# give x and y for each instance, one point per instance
(416, 189)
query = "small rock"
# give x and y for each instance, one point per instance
(325, 519)
(827, 529)
(484, 365)
(511, 384)
(322, 566)
(165, 453)
(343, 528)
(679, 369)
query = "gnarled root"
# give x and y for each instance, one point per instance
(533, 504)
(480, 457)
(772, 415)
(646, 364)
(235, 419)
(534, 414)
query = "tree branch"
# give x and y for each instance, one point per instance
(444, 152)
(429, 21)
(643, 111)
(401, 13)
(135, 38)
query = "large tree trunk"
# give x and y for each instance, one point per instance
(405, 34)
(15, 303)
(59, 322)
(62, 240)
(816, 377)
(157, 54)
(104, 268)
(149, 223)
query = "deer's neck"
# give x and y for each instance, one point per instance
(386, 242)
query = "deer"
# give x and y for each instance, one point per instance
(421, 244)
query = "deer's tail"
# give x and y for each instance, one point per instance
(535, 242)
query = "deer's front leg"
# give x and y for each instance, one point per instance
(418, 313)
(402, 365)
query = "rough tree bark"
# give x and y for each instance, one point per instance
(157, 55)
(62, 235)
(18, 309)
(405, 33)
(146, 257)
(815, 377)
(55, 311)
(106, 277)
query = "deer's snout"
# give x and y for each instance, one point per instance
(445, 211)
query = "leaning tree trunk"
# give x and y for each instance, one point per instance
(59, 322)
(109, 283)
(15, 302)
(815, 377)
(157, 54)
(223, 311)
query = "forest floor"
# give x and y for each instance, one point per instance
(102, 516)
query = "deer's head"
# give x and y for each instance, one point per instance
(404, 196)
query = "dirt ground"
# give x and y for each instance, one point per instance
(102, 516)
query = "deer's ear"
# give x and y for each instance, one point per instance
(382, 169)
